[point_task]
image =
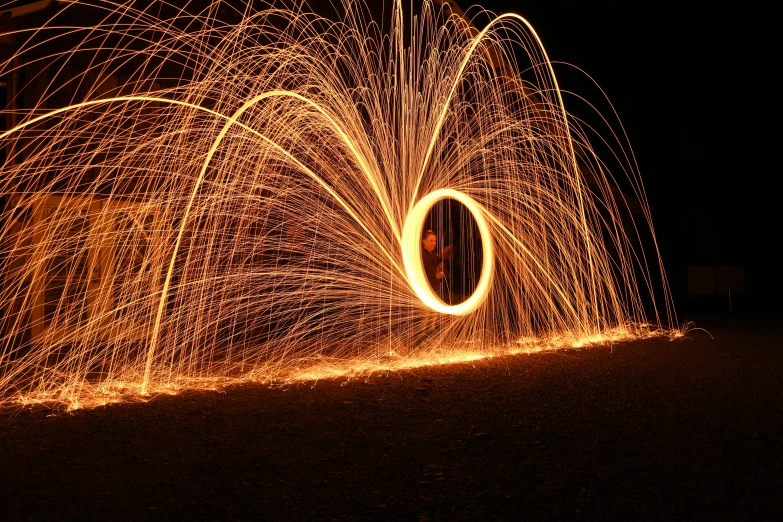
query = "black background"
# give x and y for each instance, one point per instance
(694, 84)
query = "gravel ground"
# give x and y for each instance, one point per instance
(690, 429)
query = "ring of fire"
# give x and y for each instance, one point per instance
(411, 253)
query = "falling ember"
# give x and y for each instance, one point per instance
(257, 214)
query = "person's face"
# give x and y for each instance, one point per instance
(430, 242)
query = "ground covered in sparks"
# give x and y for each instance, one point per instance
(649, 429)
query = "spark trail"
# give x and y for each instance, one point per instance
(193, 202)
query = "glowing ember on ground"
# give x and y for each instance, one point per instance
(257, 216)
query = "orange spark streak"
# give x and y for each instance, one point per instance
(227, 203)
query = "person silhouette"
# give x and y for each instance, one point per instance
(434, 270)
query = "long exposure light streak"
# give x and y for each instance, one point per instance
(228, 194)
(411, 253)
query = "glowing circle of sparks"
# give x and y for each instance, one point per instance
(411, 253)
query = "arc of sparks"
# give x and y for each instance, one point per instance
(327, 147)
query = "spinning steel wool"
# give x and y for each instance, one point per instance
(194, 202)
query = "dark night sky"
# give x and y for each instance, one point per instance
(693, 85)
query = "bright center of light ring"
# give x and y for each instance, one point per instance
(411, 253)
